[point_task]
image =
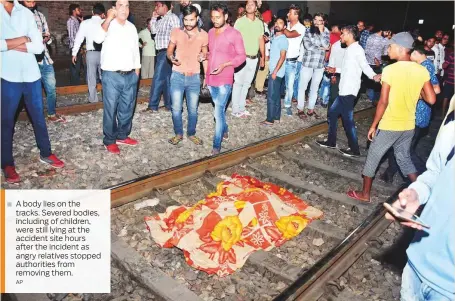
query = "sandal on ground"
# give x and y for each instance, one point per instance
(266, 123)
(175, 140)
(313, 114)
(353, 195)
(301, 114)
(195, 140)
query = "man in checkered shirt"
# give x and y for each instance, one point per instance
(163, 68)
(45, 64)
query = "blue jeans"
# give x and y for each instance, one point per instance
(190, 86)
(119, 98)
(296, 80)
(48, 79)
(33, 97)
(413, 289)
(274, 99)
(290, 78)
(161, 82)
(220, 97)
(344, 106)
(324, 90)
(373, 88)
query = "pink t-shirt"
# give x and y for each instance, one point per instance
(188, 49)
(227, 46)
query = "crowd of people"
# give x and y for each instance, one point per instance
(301, 61)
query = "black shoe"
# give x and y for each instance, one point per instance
(325, 144)
(324, 105)
(349, 153)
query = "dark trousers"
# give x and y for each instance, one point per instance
(373, 88)
(119, 98)
(419, 164)
(75, 70)
(334, 90)
(33, 97)
(274, 99)
(161, 82)
(344, 106)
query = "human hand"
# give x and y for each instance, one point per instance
(274, 75)
(376, 62)
(262, 62)
(407, 200)
(377, 78)
(218, 70)
(111, 13)
(175, 61)
(371, 133)
(331, 69)
(74, 59)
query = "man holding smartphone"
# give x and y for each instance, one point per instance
(430, 271)
(190, 47)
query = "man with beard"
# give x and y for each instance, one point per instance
(72, 26)
(163, 68)
(438, 53)
(354, 64)
(278, 48)
(191, 43)
(252, 29)
(227, 52)
(45, 64)
(186, 3)
(120, 62)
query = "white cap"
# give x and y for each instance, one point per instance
(198, 7)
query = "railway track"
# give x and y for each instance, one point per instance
(298, 270)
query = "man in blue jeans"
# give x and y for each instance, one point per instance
(191, 43)
(20, 40)
(430, 271)
(120, 62)
(162, 30)
(227, 52)
(45, 64)
(278, 48)
(354, 64)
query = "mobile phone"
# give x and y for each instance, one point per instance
(405, 216)
(215, 70)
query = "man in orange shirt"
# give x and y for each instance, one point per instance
(190, 46)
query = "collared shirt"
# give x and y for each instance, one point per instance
(120, 46)
(439, 54)
(149, 49)
(337, 55)
(364, 35)
(162, 29)
(86, 31)
(431, 254)
(423, 110)
(375, 48)
(17, 66)
(354, 63)
(251, 32)
(44, 29)
(279, 44)
(226, 47)
(188, 49)
(72, 26)
(295, 43)
(314, 49)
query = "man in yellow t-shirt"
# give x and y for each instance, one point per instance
(394, 121)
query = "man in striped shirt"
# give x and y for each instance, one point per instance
(72, 26)
(163, 69)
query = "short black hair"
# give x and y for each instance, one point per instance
(190, 9)
(419, 47)
(308, 17)
(241, 5)
(98, 9)
(167, 3)
(220, 7)
(297, 9)
(335, 25)
(72, 8)
(281, 18)
(352, 29)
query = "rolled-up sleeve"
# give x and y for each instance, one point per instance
(239, 47)
(36, 45)
(3, 45)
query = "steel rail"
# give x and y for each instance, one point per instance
(130, 191)
(310, 286)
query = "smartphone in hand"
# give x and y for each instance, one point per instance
(214, 71)
(405, 216)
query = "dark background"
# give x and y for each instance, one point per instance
(436, 14)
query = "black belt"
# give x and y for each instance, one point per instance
(253, 57)
(95, 50)
(161, 50)
(124, 72)
(292, 59)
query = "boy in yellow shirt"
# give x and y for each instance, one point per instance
(394, 121)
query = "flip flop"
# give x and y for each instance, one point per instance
(265, 123)
(353, 195)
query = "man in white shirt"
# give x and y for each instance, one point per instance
(294, 33)
(120, 62)
(93, 56)
(354, 63)
(335, 61)
(439, 54)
